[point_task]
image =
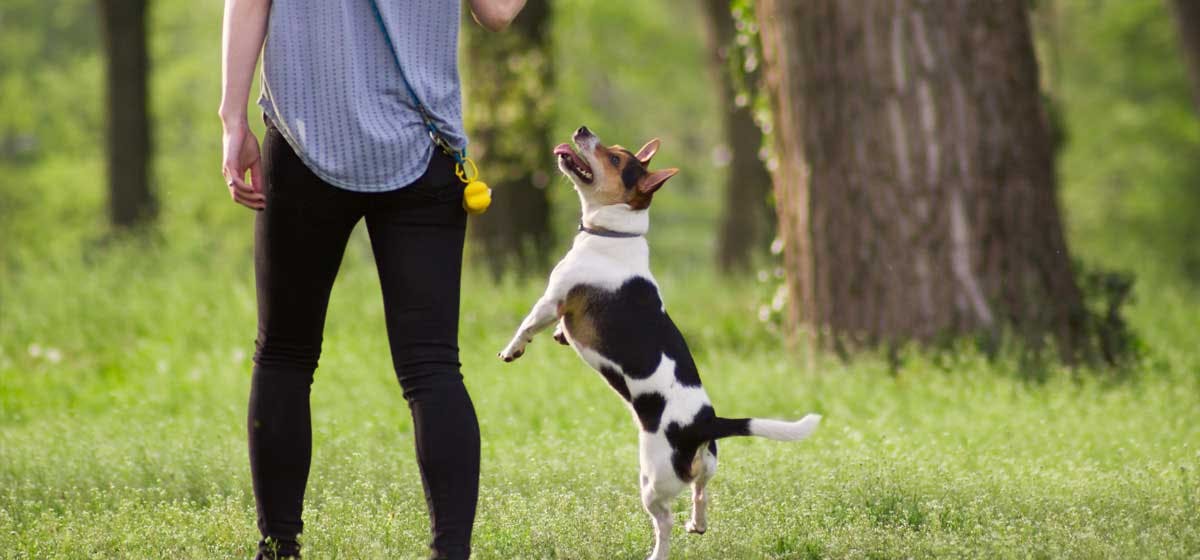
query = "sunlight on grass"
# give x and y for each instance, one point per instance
(131, 442)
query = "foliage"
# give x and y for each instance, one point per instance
(505, 80)
(746, 68)
(508, 97)
(50, 78)
(1106, 297)
(1132, 155)
(632, 71)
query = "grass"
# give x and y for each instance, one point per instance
(124, 379)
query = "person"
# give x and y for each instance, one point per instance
(344, 141)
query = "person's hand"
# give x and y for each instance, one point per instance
(241, 155)
(495, 15)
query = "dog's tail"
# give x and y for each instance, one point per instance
(778, 430)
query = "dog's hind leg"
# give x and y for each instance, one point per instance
(659, 508)
(705, 468)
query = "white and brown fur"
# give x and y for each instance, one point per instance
(609, 309)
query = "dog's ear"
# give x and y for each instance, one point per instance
(648, 151)
(654, 180)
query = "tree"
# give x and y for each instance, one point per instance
(509, 85)
(1187, 18)
(747, 221)
(131, 201)
(916, 187)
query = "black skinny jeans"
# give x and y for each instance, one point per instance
(417, 237)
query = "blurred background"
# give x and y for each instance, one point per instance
(1114, 82)
(126, 282)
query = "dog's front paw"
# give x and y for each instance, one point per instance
(697, 528)
(515, 350)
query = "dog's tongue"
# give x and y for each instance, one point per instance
(564, 150)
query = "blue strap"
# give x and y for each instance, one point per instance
(434, 133)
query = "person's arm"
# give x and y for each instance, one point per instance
(495, 15)
(242, 36)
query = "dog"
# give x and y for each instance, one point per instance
(607, 306)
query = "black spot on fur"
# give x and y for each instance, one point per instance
(634, 332)
(683, 450)
(616, 381)
(632, 172)
(649, 409)
(703, 415)
(706, 426)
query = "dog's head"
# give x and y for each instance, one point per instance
(611, 175)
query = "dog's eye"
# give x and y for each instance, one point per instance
(616, 161)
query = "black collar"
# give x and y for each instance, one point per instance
(607, 233)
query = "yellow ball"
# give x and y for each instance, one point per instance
(477, 197)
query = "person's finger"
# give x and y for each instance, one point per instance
(248, 195)
(256, 176)
(244, 194)
(233, 176)
(238, 183)
(247, 202)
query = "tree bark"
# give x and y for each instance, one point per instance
(747, 222)
(915, 185)
(509, 85)
(1187, 19)
(131, 202)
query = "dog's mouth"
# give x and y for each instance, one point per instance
(569, 160)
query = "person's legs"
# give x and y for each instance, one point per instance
(298, 244)
(417, 236)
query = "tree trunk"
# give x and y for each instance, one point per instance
(131, 201)
(747, 222)
(1187, 18)
(915, 185)
(509, 86)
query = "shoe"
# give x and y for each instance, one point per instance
(272, 548)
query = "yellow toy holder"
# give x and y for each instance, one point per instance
(477, 196)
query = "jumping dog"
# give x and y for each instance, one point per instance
(608, 308)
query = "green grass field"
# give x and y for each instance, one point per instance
(125, 376)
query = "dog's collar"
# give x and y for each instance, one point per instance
(608, 233)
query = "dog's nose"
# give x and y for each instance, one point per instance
(583, 131)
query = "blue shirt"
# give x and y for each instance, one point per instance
(331, 85)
